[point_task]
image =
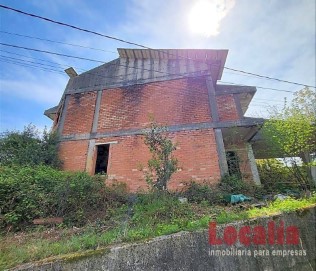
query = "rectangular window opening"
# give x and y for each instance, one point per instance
(233, 163)
(101, 164)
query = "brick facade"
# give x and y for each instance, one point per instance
(193, 108)
(74, 154)
(79, 114)
(175, 102)
(226, 108)
(172, 102)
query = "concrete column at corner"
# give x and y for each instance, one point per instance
(253, 165)
(63, 115)
(90, 157)
(221, 152)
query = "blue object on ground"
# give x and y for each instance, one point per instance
(238, 198)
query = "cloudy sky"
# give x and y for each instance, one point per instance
(267, 37)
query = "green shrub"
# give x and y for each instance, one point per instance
(159, 207)
(276, 177)
(234, 184)
(27, 193)
(199, 193)
(163, 163)
(29, 148)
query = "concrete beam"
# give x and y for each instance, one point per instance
(221, 152)
(172, 128)
(253, 165)
(229, 89)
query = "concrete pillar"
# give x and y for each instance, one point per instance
(253, 165)
(90, 159)
(218, 132)
(90, 163)
(221, 152)
(63, 115)
(96, 112)
(212, 99)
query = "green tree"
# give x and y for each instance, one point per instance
(291, 132)
(162, 164)
(29, 148)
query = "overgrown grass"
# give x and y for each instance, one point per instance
(27, 193)
(273, 208)
(150, 215)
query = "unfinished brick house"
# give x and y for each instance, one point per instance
(103, 113)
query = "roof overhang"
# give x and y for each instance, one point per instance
(216, 58)
(51, 112)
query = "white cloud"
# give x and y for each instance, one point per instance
(39, 87)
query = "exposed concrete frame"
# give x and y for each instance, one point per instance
(235, 90)
(63, 115)
(212, 99)
(221, 152)
(253, 165)
(238, 106)
(172, 128)
(107, 142)
(91, 148)
(96, 112)
(90, 153)
(218, 132)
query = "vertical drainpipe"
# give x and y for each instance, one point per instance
(218, 132)
(91, 145)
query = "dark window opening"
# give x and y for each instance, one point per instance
(101, 164)
(233, 163)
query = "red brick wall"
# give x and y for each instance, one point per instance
(73, 154)
(171, 102)
(80, 112)
(181, 101)
(226, 107)
(196, 152)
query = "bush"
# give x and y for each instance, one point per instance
(29, 148)
(162, 164)
(27, 193)
(275, 177)
(220, 193)
(203, 192)
(233, 184)
(159, 207)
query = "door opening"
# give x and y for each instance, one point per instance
(233, 163)
(101, 164)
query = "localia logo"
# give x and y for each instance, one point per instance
(272, 234)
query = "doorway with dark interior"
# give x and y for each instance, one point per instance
(233, 164)
(101, 164)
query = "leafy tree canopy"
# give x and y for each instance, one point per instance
(291, 132)
(29, 148)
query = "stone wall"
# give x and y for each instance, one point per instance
(191, 251)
